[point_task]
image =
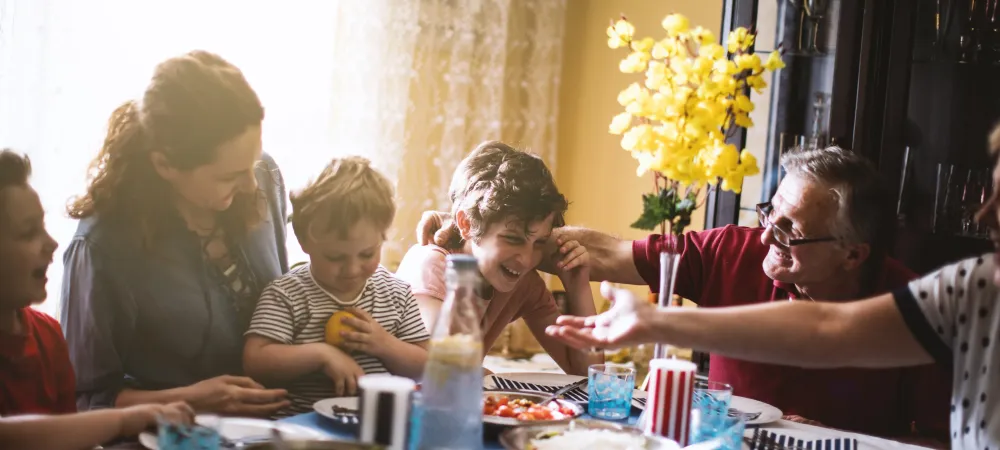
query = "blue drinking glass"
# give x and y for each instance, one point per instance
(173, 436)
(718, 432)
(609, 389)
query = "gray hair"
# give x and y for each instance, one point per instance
(862, 199)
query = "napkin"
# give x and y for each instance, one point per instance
(576, 394)
(763, 439)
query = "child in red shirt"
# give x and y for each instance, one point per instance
(35, 373)
(36, 376)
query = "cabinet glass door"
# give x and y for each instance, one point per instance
(811, 102)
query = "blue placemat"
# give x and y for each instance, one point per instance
(336, 431)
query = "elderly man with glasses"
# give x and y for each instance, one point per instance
(824, 235)
(950, 316)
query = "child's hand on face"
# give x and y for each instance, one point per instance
(343, 370)
(136, 419)
(369, 336)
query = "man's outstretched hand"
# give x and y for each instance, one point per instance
(630, 321)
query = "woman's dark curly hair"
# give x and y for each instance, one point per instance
(498, 182)
(194, 103)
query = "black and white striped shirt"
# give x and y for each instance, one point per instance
(294, 310)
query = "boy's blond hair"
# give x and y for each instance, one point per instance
(347, 191)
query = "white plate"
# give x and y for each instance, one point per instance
(325, 407)
(549, 379)
(768, 413)
(238, 428)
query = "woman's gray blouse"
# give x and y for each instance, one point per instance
(151, 320)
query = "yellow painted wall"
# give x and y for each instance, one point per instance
(592, 170)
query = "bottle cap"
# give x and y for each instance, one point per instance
(462, 262)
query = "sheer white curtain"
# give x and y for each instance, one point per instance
(411, 84)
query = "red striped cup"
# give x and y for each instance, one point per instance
(668, 407)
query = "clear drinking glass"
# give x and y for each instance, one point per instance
(610, 391)
(712, 397)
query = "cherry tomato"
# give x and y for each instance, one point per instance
(505, 411)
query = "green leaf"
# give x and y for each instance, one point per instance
(667, 206)
(654, 212)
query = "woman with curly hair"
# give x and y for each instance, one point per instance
(181, 226)
(504, 206)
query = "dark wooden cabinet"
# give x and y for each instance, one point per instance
(900, 80)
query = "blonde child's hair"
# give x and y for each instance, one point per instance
(347, 191)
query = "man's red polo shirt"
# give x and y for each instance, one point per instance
(36, 376)
(723, 267)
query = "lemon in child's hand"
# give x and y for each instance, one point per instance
(334, 327)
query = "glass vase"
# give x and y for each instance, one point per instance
(668, 275)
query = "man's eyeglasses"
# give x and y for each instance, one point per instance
(782, 235)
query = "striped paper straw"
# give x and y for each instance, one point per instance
(384, 410)
(668, 408)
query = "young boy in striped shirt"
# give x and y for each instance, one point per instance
(340, 220)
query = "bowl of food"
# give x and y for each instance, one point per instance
(583, 435)
(313, 445)
(511, 408)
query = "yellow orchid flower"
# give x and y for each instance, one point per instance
(743, 120)
(693, 92)
(757, 83)
(743, 103)
(712, 51)
(644, 45)
(635, 62)
(748, 162)
(629, 94)
(748, 61)
(704, 36)
(774, 62)
(624, 28)
(740, 39)
(620, 123)
(675, 25)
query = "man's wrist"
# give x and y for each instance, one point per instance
(661, 329)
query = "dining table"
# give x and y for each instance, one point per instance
(339, 432)
(543, 364)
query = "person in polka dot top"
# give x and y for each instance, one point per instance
(951, 316)
(954, 314)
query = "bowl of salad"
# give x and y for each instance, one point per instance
(511, 408)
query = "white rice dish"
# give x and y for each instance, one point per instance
(590, 439)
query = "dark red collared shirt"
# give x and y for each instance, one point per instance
(36, 376)
(723, 267)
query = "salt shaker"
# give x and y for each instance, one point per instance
(384, 406)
